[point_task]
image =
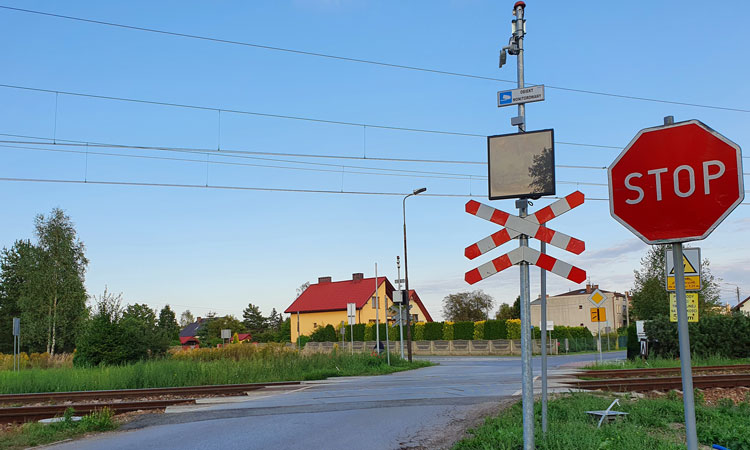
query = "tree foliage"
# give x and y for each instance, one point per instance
(186, 318)
(113, 335)
(509, 312)
(43, 284)
(253, 319)
(209, 333)
(167, 324)
(650, 297)
(16, 265)
(467, 306)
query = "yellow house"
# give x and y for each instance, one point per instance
(743, 306)
(325, 303)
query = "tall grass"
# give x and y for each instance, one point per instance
(237, 364)
(651, 424)
(36, 360)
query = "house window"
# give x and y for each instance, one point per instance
(581, 324)
(580, 306)
(315, 325)
(374, 302)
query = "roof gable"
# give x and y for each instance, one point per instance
(333, 296)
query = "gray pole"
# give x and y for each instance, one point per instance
(299, 338)
(599, 333)
(406, 275)
(543, 277)
(527, 376)
(377, 312)
(684, 337)
(400, 313)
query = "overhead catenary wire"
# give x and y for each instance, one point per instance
(363, 60)
(418, 174)
(290, 117)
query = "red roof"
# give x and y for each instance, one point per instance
(333, 296)
(185, 339)
(242, 336)
(414, 297)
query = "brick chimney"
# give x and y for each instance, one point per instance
(358, 276)
(588, 288)
(322, 280)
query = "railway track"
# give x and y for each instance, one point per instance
(186, 394)
(627, 373)
(664, 383)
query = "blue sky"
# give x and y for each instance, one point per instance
(219, 249)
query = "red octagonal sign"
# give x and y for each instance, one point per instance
(675, 183)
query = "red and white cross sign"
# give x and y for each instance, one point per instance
(530, 226)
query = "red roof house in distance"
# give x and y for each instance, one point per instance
(325, 303)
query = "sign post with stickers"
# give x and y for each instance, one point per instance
(598, 315)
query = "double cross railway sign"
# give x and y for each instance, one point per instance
(532, 226)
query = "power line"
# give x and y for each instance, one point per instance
(417, 174)
(262, 189)
(302, 118)
(361, 60)
(239, 153)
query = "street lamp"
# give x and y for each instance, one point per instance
(406, 274)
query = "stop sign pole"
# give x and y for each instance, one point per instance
(658, 215)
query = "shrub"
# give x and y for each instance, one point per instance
(713, 335)
(433, 331)
(463, 330)
(418, 331)
(634, 347)
(514, 328)
(495, 329)
(324, 334)
(479, 330)
(448, 331)
(369, 332)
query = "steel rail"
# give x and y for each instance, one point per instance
(130, 393)
(662, 383)
(18, 414)
(624, 373)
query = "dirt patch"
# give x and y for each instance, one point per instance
(446, 437)
(737, 395)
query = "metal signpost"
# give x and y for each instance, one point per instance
(673, 184)
(377, 313)
(598, 315)
(400, 302)
(351, 312)
(16, 343)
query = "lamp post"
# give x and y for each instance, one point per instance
(406, 275)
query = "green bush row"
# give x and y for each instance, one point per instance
(448, 331)
(713, 335)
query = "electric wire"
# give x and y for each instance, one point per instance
(362, 60)
(419, 174)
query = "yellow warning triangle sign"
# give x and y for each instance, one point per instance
(688, 267)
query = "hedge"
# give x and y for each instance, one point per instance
(433, 331)
(714, 335)
(495, 329)
(448, 331)
(634, 347)
(479, 330)
(514, 328)
(463, 330)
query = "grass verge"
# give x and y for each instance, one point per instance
(255, 367)
(655, 424)
(33, 434)
(661, 363)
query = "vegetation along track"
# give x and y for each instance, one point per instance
(185, 394)
(634, 379)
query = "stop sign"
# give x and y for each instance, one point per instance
(675, 183)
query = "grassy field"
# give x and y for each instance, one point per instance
(227, 366)
(33, 434)
(654, 424)
(667, 362)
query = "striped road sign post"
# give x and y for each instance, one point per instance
(532, 226)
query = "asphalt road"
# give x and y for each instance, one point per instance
(424, 408)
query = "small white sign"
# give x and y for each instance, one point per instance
(226, 334)
(550, 325)
(639, 329)
(351, 311)
(522, 95)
